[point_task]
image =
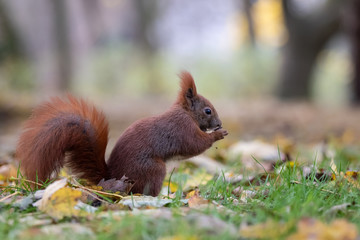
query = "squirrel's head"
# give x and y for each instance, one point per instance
(201, 110)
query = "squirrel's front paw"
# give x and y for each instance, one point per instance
(223, 132)
(220, 134)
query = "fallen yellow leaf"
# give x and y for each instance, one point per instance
(314, 229)
(190, 194)
(173, 186)
(62, 203)
(352, 178)
(352, 174)
(179, 237)
(291, 164)
(59, 200)
(268, 230)
(8, 171)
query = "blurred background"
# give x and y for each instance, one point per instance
(271, 67)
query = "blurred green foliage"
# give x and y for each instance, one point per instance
(123, 71)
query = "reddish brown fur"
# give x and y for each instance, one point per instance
(187, 82)
(141, 151)
(64, 126)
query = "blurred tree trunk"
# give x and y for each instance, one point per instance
(63, 48)
(246, 6)
(146, 13)
(352, 24)
(95, 27)
(9, 40)
(308, 34)
(10, 47)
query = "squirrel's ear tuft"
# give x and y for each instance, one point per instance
(188, 88)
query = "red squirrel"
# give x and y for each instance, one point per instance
(70, 132)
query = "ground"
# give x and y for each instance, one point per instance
(302, 193)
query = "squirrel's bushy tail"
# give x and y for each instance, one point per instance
(64, 132)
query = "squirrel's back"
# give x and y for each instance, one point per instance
(64, 131)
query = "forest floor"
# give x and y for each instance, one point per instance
(286, 171)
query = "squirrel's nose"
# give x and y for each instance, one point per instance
(218, 126)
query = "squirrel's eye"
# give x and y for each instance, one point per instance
(207, 111)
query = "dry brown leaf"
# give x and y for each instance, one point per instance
(122, 185)
(196, 201)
